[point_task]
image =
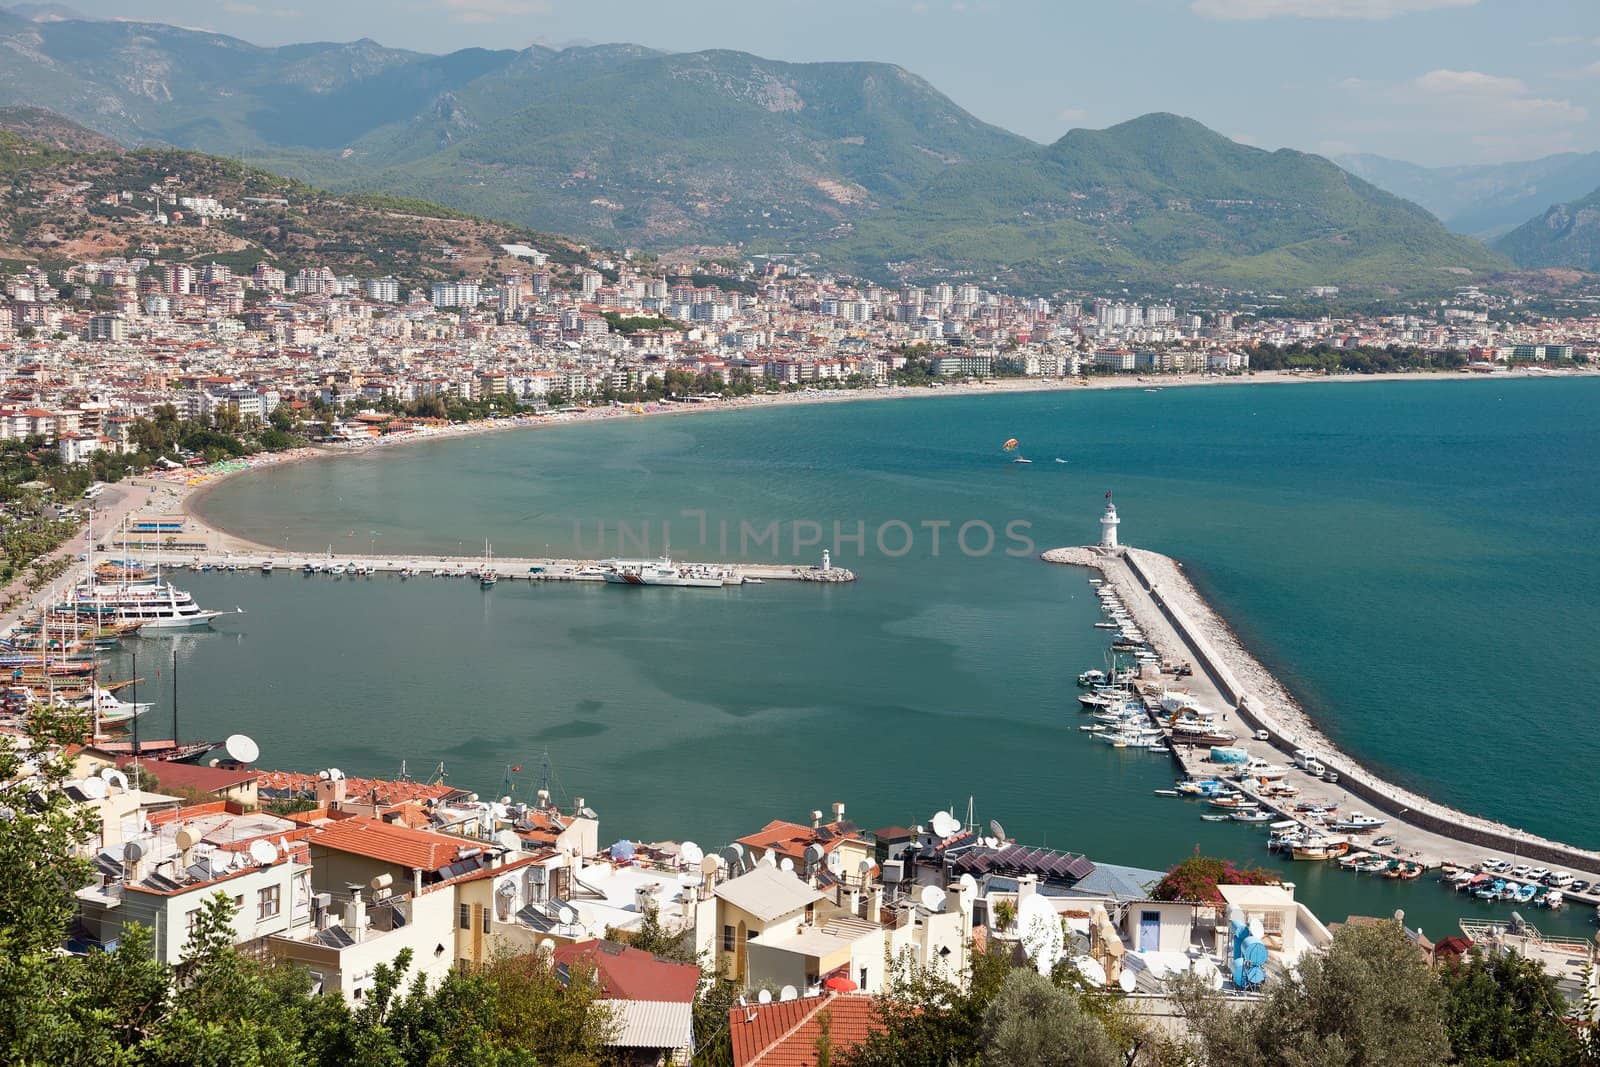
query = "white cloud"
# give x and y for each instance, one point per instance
(1592, 70)
(1490, 99)
(1318, 9)
(1470, 81)
(1072, 114)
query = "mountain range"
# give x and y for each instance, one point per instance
(863, 164)
(1484, 200)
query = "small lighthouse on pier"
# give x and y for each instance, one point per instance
(1108, 527)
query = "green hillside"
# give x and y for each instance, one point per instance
(1567, 235)
(1164, 199)
(865, 164)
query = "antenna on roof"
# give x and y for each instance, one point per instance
(932, 898)
(263, 853)
(764, 997)
(786, 865)
(691, 854)
(944, 824)
(788, 993)
(996, 829)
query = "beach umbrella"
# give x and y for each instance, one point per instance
(622, 850)
(840, 984)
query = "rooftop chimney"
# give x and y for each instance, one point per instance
(355, 913)
(838, 811)
(816, 819)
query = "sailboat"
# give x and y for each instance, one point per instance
(486, 576)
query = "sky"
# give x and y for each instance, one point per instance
(1431, 81)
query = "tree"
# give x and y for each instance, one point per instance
(1502, 1008)
(1196, 879)
(40, 828)
(656, 939)
(927, 1020)
(1032, 1023)
(1368, 1000)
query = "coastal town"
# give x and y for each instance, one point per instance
(138, 378)
(91, 347)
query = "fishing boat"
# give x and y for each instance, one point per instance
(1322, 849)
(1356, 823)
(1088, 678)
(1214, 818)
(1256, 815)
(266, 567)
(1167, 793)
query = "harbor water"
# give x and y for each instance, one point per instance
(1413, 559)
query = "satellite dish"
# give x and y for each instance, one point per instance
(111, 776)
(764, 997)
(969, 887)
(691, 854)
(187, 839)
(814, 855)
(132, 852)
(1091, 969)
(709, 865)
(507, 889)
(733, 857)
(94, 788)
(865, 866)
(786, 865)
(769, 858)
(242, 749)
(1039, 929)
(996, 829)
(944, 825)
(932, 898)
(567, 916)
(1127, 981)
(788, 993)
(508, 840)
(263, 852)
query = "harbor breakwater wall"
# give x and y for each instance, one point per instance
(1161, 580)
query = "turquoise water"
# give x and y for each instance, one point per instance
(1415, 559)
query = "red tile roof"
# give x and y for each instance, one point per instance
(785, 1034)
(791, 838)
(388, 792)
(399, 845)
(628, 973)
(191, 776)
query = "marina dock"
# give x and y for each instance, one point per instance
(1182, 628)
(421, 566)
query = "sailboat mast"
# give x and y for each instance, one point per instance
(174, 698)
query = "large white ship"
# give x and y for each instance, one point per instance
(664, 572)
(154, 605)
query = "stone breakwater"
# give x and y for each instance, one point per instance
(1163, 601)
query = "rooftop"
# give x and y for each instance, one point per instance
(785, 1034)
(768, 893)
(628, 973)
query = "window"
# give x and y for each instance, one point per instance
(189, 919)
(267, 902)
(485, 919)
(465, 920)
(728, 936)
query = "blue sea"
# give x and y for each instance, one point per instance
(1417, 560)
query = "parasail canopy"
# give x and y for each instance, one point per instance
(1011, 444)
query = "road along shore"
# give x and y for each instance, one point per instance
(1183, 627)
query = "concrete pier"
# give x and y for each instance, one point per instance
(508, 568)
(1182, 628)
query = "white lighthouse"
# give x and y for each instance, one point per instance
(1108, 527)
